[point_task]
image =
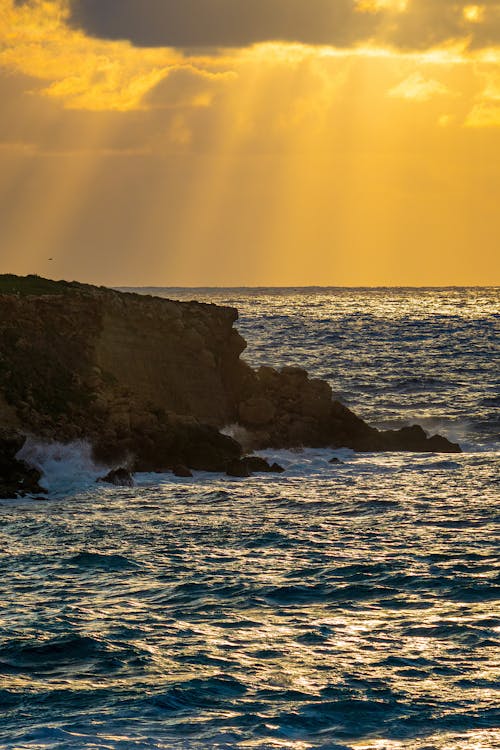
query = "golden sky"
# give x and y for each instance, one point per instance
(251, 142)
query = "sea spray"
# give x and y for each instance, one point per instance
(240, 434)
(66, 468)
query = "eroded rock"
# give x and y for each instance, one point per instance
(150, 382)
(182, 471)
(17, 479)
(120, 477)
(238, 468)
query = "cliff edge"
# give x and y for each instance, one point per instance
(152, 381)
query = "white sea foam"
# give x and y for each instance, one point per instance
(239, 433)
(66, 468)
(457, 430)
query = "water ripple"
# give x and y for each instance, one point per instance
(337, 607)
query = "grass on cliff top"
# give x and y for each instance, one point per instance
(34, 285)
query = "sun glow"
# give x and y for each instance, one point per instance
(319, 162)
(92, 74)
(83, 73)
(374, 6)
(474, 13)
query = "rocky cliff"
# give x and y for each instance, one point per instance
(152, 381)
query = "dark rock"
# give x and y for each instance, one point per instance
(180, 470)
(17, 478)
(297, 373)
(238, 468)
(440, 444)
(209, 450)
(258, 464)
(10, 445)
(164, 446)
(119, 478)
(257, 412)
(149, 382)
(413, 439)
(335, 460)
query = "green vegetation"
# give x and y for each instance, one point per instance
(34, 285)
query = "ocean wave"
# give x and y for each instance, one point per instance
(199, 693)
(70, 656)
(332, 607)
(67, 469)
(101, 561)
(299, 595)
(46, 656)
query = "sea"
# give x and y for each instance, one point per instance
(345, 606)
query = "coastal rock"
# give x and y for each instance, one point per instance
(258, 465)
(17, 479)
(182, 471)
(168, 444)
(238, 468)
(248, 465)
(352, 432)
(150, 382)
(257, 411)
(120, 477)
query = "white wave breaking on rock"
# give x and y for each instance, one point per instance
(66, 468)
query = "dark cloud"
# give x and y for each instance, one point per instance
(238, 23)
(223, 23)
(428, 23)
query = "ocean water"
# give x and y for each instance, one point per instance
(337, 606)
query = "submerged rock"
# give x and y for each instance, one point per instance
(119, 477)
(249, 465)
(239, 468)
(258, 465)
(182, 471)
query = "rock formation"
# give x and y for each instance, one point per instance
(16, 477)
(150, 382)
(121, 477)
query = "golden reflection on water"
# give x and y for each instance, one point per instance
(469, 740)
(367, 586)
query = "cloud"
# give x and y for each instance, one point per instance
(187, 87)
(85, 73)
(484, 115)
(146, 100)
(486, 110)
(406, 24)
(428, 23)
(418, 88)
(224, 23)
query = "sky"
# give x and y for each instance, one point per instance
(251, 142)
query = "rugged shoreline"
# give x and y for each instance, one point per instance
(150, 383)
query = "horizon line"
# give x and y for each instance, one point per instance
(307, 286)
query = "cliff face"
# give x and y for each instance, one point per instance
(153, 379)
(72, 360)
(181, 357)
